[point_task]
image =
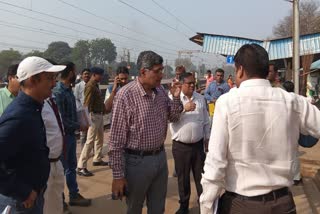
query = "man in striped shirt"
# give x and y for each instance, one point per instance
(140, 118)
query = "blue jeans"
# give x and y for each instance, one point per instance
(70, 165)
(18, 208)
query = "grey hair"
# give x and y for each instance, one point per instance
(147, 59)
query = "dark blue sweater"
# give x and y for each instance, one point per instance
(24, 163)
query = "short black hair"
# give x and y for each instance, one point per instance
(122, 70)
(288, 86)
(67, 70)
(85, 69)
(209, 71)
(147, 59)
(275, 68)
(219, 70)
(185, 75)
(181, 67)
(254, 59)
(12, 70)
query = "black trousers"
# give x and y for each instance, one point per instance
(188, 157)
(229, 204)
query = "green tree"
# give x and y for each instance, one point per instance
(102, 51)
(309, 20)
(7, 58)
(81, 54)
(34, 53)
(58, 52)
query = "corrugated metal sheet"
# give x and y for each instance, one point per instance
(277, 49)
(224, 45)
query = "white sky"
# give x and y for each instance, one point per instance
(246, 18)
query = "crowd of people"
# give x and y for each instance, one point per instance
(239, 139)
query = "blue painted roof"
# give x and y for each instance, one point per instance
(277, 49)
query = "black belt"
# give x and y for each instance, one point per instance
(189, 144)
(52, 160)
(271, 196)
(97, 112)
(144, 153)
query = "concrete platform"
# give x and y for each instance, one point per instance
(98, 188)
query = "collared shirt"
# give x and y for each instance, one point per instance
(139, 122)
(209, 80)
(108, 92)
(254, 140)
(53, 132)
(193, 125)
(24, 163)
(79, 93)
(215, 90)
(92, 97)
(67, 107)
(5, 99)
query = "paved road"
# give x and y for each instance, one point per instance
(98, 188)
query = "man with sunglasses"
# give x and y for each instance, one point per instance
(188, 136)
(140, 118)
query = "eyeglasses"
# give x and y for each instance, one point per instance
(157, 71)
(190, 83)
(50, 76)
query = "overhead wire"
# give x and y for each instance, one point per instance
(73, 29)
(153, 18)
(179, 20)
(116, 23)
(20, 46)
(83, 25)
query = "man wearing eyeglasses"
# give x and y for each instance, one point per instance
(140, 118)
(7, 94)
(188, 136)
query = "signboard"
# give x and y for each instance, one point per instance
(230, 59)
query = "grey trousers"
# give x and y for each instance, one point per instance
(232, 205)
(147, 178)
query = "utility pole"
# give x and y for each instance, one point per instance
(296, 45)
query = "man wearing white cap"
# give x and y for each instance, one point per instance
(24, 162)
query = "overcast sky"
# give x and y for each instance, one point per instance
(128, 28)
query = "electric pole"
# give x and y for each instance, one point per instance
(296, 45)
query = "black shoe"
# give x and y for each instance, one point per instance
(79, 200)
(100, 163)
(66, 208)
(182, 210)
(297, 182)
(84, 172)
(174, 174)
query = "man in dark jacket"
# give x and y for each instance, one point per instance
(24, 162)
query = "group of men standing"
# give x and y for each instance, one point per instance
(252, 145)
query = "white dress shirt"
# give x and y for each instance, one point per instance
(254, 140)
(79, 93)
(194, 125)
(53, 132)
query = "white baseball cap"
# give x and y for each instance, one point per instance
(33, 65)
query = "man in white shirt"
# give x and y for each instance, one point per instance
(79, 95)
(254, 141)
(188, 135)
(54, 132)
